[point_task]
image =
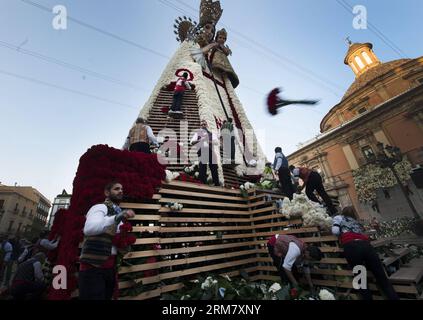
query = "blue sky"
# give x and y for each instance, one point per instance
(45, 130)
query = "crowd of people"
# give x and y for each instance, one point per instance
(24, 269)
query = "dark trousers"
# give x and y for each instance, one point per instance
(286, 183)
(232, 149)
(140, 147)
(203, 173)
(362, 253)
(177, 101)
(30, 290)
(97, 284)
(315, 183)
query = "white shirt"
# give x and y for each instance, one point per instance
(151, 136)
(180, 83)
(296, 175)
(49, 245)
(38, 271)
(97, 222)
(293, 254)
(8, 249)
(202, 134)
(336, 230)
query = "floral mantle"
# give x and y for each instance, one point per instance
(368, 179)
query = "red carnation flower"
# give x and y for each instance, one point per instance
(126, 227)
(272, 101)
(165, 110)
(294, 293)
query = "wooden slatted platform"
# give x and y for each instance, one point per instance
(218, 231)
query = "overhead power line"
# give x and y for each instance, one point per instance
(104, 32)
(375, 30)
(51, 85)
(69, 66)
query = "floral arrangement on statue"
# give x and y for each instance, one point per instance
(174, 206)
(313, 214)
(368, 179)
(246, 187)
(220, 287)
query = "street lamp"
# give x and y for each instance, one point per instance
(388, 157)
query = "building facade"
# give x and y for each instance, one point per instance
(384, 104)
(22, 211)
(62, 201)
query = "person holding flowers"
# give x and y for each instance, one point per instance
(312, 181)
(97, 274)
(290, 254)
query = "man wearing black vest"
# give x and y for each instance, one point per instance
(97, 274)
(281, 167)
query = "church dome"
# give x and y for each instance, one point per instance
(375, 83)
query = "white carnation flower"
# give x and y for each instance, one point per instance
(275, 288)
(326, 295)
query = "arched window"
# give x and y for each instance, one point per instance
(359, 62)
(366, 57)
(354, 67)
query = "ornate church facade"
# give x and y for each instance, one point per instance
(384, 104)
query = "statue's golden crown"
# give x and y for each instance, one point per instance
(210, 12)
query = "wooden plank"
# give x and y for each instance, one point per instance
(167, 252)
(224, 237)
(178, 274)
(174, 287)
(399, 254)
(145, 217)
(183, 261)
(267, 209)
(207, 211)
(154, 293)
(138, 206)
(259, 203)
(323, 261)
(204, 220)
(205, 203)
(373, 287)
(202, 188)
(268, 217)
(407, 275)
(151, 253)
(201, 195)
(214, 229)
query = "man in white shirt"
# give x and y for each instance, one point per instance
(290, 254)
(97, 272)
(205, 141)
